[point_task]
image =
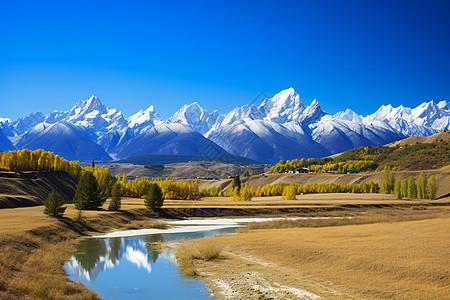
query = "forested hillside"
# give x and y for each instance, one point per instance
(407, 157)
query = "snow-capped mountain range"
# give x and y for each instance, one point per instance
(281, 127)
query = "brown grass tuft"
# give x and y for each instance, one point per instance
(188, 252)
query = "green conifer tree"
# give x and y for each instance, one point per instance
(154, 198)
(88, 194)
(54, 205)
(236, 182)
(116, 193)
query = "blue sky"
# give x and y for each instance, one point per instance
(132, 54)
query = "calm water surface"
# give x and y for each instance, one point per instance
(135, 267)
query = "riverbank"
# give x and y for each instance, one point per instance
(33, 247)
(402, 255)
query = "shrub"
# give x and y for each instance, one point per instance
(188, 252)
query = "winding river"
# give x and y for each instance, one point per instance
(132, 265)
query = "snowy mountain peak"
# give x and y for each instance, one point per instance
(144, 118)
(86, 106)
(282, 127)
(194, 116)
(283, 107)
(444, 105)
(312, 113)
(348, 115)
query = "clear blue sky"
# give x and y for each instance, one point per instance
(347, 54)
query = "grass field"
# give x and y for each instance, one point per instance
(387, 260)
(370, 261)
(13, 220)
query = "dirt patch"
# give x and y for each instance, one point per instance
(236, 276)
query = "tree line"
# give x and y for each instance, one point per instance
(243, 192)
(37, 160)
(171, 188)
(365, 159)
(313, 165)
(424, 188)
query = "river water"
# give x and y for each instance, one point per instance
(131, 264)
(135, 266)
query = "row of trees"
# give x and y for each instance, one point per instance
(171, 188)
(425, 188)
(339, 167)
(37, 160)
(245, 192)
(89, 196)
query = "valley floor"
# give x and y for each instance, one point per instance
(328, 261)
(388, 260)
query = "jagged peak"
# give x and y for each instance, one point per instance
(151, 108)
(284, 98)
(443, 105)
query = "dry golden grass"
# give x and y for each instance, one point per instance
(22, 219)
(31, 268)
(374, 216)
(398, 260)
(33, 246)
(188, 252)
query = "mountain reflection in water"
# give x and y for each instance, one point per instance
(135, 267)
(97, 255)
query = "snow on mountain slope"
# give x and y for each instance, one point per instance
(281, 127)
(283, 107)
(339, 135)
(426, 119)
(144, 119)
(169, 139)
(95, 117)
(266, 141)
(91, 116)
(195, 116)
(22, 125)
(63, 139)
(348, 115)
(115, 138)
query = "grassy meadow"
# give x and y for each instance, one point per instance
(403, 254)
